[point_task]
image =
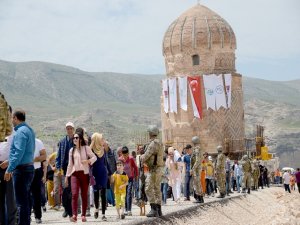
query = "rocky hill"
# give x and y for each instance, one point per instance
(122, 105)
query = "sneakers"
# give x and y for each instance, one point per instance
(123, 216)
(44, 208)
(88, 213)
(38, 220)
(129, 213)
(125, 213)
(104, 218)
(96, 214)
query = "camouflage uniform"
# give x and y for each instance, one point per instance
(220, 172)
(255, 175)
(5, 119)
(246, 164)
(153, 158)
(196, 168)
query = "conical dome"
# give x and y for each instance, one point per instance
(199, 42)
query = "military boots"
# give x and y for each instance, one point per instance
(159, 209)
(153, 212)
(197, 198)
(201, 199)
(222, 195)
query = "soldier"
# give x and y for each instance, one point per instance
(246, 164)
(255, 175)
(5, 119)
(220, 172)
(153, 158)
(196, 169)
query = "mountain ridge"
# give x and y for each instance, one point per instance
(122, 105)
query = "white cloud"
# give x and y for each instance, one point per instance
(126, 35)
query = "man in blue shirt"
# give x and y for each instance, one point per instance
(21, 164)
(188, 176)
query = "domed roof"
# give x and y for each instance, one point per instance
(198, 28)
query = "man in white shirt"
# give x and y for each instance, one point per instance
(286, 181)
(39, 156)
(7, 197)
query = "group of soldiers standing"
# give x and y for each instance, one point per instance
(153, 158)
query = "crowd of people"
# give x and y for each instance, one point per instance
(84, 169)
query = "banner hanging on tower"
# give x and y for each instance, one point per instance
(195, 89)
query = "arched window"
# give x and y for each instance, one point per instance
(196, 60)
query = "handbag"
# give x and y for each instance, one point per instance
(92, 180)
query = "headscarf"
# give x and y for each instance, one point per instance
(97, 144)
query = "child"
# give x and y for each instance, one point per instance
(292, 182)
(120, 180)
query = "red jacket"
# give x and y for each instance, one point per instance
(130, 167)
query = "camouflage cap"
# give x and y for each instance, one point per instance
(196, 140)
(153, 130)
(245, 157)
(219, 148)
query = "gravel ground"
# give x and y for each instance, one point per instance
(271, 206)
(268, 206)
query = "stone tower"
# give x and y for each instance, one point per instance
(198, 43)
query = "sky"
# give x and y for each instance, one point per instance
(126, 35)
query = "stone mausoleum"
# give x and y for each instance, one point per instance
(197, 43)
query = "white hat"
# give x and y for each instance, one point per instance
(209, 158)
(70, 124)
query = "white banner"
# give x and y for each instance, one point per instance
(220, 93)
(210, 94)
(182, 81)
(165, 93)
(173, 94)
(228, 84)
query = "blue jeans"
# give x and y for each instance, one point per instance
(187, 184)
(277, 180)
(110, 196)
(22, 177)
(128, 203)
(238, 183)
(209, 186)
(164, 191)
(228, 188)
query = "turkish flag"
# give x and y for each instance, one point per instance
(195, 90)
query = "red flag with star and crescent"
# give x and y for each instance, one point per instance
(195, 90)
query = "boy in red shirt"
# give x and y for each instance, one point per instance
(130, 168)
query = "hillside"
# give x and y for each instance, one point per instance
(122, 105)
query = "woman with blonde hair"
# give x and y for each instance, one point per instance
(101, 171)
